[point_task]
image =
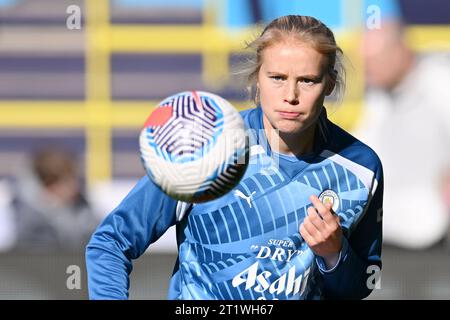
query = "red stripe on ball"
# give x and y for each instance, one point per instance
(159, 117)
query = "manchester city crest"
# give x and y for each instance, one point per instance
(330, 197)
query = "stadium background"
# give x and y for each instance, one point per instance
(90, 90)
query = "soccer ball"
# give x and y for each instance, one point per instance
(194, 146)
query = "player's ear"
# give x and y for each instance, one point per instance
(256, 97)
(331, 82)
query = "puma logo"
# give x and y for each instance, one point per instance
(243, 196)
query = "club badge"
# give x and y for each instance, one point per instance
(329, 196)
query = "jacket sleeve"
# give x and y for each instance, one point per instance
(359, 266)
(140, 219)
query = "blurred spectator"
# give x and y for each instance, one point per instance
(7, 234)
(50, 211)
(407, 122)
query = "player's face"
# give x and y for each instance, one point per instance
(293, 83)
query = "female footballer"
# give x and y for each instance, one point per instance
(304, 221)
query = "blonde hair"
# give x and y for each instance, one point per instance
(305, 29)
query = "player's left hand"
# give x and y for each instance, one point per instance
(323, 235)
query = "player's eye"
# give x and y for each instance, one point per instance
(309, 81)
(277, 78)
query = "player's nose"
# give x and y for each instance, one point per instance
(291, 94)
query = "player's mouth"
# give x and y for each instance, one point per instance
(289, 115)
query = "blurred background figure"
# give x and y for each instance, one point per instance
(49, 208)
(406, 120)
(7, 230)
